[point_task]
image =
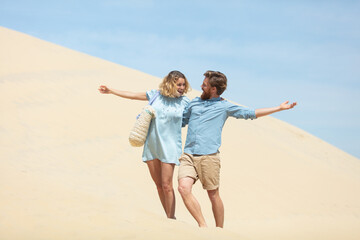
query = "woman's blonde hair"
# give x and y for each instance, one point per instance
(168, 85)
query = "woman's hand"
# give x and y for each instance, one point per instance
(124, 94)
(104, 89)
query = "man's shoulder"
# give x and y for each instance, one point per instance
(227, 102)
(195, 100)
(223, 102)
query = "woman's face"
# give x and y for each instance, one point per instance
(180, 87)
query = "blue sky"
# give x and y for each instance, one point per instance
(271, 51)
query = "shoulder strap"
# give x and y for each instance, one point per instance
(154, 97)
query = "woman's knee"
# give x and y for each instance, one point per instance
(159, 186)
(167, 186)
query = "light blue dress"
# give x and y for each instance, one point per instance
(163, 141)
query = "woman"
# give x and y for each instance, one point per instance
(163, 147)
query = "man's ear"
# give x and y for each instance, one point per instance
(213, 90)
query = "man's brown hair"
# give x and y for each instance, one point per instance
(218, 80)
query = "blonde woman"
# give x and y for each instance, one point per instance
(163, 147)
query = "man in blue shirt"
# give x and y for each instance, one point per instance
(206, 117)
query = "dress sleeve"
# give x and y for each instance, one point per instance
(150, 94)
(185, 101)
(237, 111)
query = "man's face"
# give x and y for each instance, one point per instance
(206, 89)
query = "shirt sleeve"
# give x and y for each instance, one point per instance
(150, 94)
(237, 111)
(186, 114)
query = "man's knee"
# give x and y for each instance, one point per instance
(185, 186)
(214, 194)
(184, 190)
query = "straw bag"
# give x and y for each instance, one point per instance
(139, 132)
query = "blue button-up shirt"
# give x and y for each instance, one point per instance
(205, 119)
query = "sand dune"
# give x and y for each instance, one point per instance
(68, 172)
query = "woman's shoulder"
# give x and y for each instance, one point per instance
(151, 93)
(186, 99)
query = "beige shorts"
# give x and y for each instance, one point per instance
(206, 168)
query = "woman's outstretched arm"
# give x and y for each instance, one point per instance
(124, 94)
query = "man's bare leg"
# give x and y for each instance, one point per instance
(217, 207)
(193, 206)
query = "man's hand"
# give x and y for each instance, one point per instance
(286, 106)
(266, 111)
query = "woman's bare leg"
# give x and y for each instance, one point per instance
(155, 172)
(167, 173)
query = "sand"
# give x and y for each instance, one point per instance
(68, 172)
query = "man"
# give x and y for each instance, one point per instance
(205, 117)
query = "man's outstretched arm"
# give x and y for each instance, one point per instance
(267, 111)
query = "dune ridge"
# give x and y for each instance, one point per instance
(68, 172)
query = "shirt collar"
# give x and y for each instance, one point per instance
(215, 99)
